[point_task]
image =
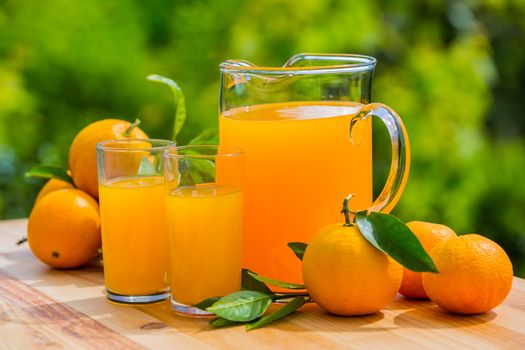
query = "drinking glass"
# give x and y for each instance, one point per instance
(204, 205)
(135, 241)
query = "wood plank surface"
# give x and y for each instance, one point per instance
(43, 308)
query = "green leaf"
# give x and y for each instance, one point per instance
(242, 306)
(49, 172)
(250, 283)
(298, 248)
(207, 137)
(275, 282)
(388, 234)
(146, 168)
(202, 170)
(222, 322)
(206, 303)
(196, 171)
(180, 105)
(284, 311)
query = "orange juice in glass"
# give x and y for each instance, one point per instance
(135, 240)
(307, 135)
(204, 208)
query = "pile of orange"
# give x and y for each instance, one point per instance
(346, 275)
(64, 225)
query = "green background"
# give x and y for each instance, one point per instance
(454, 71)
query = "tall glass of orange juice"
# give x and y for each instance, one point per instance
(135, 240)
(204, 201)
(307, 135)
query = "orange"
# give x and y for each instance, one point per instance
(82, 153)
(64, 228)
(52, 185)
(428, 235)
(346, 275)
(475, 275)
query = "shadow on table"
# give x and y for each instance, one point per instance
(402, 303)
(311, 317)
(159, 317)
(418, 314)
(141, 317)
(435, 317)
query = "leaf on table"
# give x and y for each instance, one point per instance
(250, 283)
(388, 234)
(275, 283)
(49, 172)
(298, 248)
(242, 306)
(284, 311)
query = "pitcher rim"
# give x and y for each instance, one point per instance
(355, 63)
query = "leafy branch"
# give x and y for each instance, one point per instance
(249, 305)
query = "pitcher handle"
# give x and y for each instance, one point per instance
(400, 165)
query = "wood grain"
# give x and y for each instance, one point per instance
(42, 308)
(26, 305)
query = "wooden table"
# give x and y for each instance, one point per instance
(50, 309)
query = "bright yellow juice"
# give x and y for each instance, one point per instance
(205, 225)
(135, 239)
(300, 165)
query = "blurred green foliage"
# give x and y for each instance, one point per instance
(454, 70)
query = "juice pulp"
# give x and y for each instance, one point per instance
(205, 223)
(300, 165)
(135, 239)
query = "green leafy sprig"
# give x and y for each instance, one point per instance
(249, 305)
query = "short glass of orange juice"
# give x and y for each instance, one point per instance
(135, 241)
(204, 206)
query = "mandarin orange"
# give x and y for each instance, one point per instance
(52, 185)
(346, 275)
(64, 228)
(82, 153)
(475, 275)
(429, 235)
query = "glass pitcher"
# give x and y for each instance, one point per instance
(307, 133)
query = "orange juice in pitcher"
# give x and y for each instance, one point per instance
(307, 135)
